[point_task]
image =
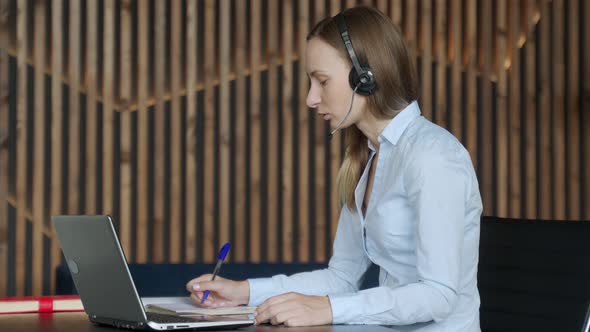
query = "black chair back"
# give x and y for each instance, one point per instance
(533, 275)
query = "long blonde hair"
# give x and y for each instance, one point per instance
(380, 44)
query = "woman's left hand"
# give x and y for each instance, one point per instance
(294, 309)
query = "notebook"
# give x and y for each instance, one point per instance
(185, 306)
(99, 269)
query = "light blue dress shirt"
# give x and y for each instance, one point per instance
(421, 228)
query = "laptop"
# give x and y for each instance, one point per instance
(101, 275)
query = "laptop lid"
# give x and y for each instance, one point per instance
(99, 268)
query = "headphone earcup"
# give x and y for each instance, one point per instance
(365, 81)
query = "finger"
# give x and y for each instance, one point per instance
(271, 312)
(215, 286)
(277, 300)
(204, 277)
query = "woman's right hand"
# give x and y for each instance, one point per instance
(222, 292)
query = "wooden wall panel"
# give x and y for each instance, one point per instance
(224, 124)
(4, 147)
(287, 180)
(142, 133)
(38, 147)
(176, 194)
(191, 133)
(514, 145)
(108, 71)
(22, 146)
(486, 117)
(273, 132)
(303, 144)
(469, 61)
(240, 241)
(559, 148)
(572, 110)
(426, 58)
(124, 94)
(530, 117)
(91, 48)
(545, 153)
(255, 134)
(502, 130)
(223, 148)
(160, 62)
(57, 130)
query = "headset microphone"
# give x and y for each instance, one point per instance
(345, 117)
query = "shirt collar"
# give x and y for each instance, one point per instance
(396, 127)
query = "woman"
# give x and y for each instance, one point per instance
(411, 202)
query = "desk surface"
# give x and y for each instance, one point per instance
(68, 322)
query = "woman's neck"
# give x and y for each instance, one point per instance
(372, 127)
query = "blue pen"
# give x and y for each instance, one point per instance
(222, 253)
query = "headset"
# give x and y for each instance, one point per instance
(361, 77)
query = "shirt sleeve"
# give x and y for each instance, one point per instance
(344, 274)
(436, 185)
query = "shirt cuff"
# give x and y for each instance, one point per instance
(260, 290)
(343, 308)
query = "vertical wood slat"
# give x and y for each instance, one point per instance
(176, 133)
(382, 5)
(545, 155)
(4, 149)
(514, 146)
(334, 7)
(319, 186)
(303, 144)
(209, 75)
(272, 216)
(469, 60)
(426, 52)
(255, 138)
(240, 242)
(74, 109)
(142, 133)
(441, 62)
(572, 111)
(558, 110)
(39, 148)
(486, 168)
(395, 12)
(530, 132)
(502, 131)
(191, 131)
(56, 131)
(108, 69)
(125, 128)
(410, 22)
(159, 131)
(456, 123)
(91, 125)
(286, 185)
(224, 125)
(334, 164)
(586, 111)
(22, 145)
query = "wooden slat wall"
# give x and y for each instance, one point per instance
(57, 129)
(4, 144)
(205, 137)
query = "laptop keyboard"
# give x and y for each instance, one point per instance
(166, 319)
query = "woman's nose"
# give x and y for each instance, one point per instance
(313, 98)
